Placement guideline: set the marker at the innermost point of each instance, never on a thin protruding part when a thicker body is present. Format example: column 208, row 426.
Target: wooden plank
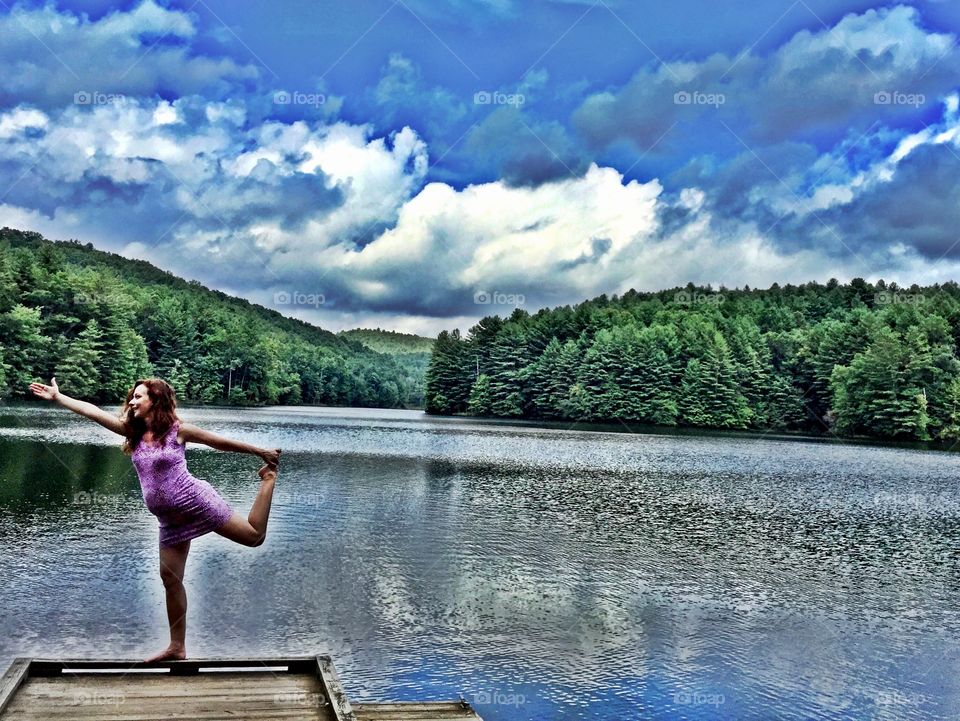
column 205, row 697
column 164, row 680
column 12, row 679
column 334, row 689
column 400, row 705
column 159, row 684
column 130, row 712
column 414, row 711
column 219, row 688
column 305, row 688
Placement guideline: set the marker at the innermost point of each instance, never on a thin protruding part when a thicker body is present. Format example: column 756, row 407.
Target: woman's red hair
column 163, row 401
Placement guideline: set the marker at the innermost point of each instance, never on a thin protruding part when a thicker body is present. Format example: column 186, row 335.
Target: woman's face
column 140, row 403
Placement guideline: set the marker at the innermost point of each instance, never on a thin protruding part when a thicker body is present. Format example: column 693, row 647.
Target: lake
column 540, row 571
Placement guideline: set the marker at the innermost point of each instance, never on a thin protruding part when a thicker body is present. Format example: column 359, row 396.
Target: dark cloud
column 740, row 187
column 524, row 151
column 919, row 208
column 881, row 66
column 288, row 198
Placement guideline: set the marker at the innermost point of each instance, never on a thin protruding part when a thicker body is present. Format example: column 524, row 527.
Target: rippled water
column 539, row 572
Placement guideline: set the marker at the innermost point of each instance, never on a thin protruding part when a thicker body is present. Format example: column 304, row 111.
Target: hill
column 411, row 353
column 98, row 321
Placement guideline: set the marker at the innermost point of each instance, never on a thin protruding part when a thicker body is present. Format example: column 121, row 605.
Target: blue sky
column 417, row 165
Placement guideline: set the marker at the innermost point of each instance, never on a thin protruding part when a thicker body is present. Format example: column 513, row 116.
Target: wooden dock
column 247, row 689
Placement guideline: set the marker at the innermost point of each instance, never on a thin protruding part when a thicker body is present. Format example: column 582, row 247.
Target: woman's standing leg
column 173, row 560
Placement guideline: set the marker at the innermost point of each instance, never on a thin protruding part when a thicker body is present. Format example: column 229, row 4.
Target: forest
column 857, row 359
column 98, row 321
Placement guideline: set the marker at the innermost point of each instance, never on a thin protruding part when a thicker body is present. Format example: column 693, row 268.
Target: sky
column 415, row 165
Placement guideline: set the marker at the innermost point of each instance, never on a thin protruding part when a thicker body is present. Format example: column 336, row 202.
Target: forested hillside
column 854, row 360
column 99, row 321
column 411, row 353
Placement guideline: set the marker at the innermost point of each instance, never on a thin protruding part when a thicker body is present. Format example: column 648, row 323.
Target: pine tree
column 540, row 379
column 652, row 375
column 709, row 392
column 508, row 361
column 693, row 395
column 27, row 350
column 481, row 401
column 602, row 362
column 449, row 377
column 79, row 370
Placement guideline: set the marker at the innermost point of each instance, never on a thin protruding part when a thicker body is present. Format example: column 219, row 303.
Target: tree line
column 855, row 359
column 98, row 321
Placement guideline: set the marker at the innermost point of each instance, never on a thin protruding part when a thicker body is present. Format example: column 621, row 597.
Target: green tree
column 481, row 399
column 20, row 332
column 449, row 376
column 79, row 370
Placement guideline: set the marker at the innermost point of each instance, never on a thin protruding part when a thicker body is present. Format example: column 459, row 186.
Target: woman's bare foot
column 173, row 652
column 268, row 473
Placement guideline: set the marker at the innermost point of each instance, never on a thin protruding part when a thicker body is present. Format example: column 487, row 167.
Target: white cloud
column 20, row 119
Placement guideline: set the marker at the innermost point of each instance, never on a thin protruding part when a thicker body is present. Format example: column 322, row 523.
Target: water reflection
column 540, row 572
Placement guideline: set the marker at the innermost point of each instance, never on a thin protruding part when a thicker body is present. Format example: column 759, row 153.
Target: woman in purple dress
column 186, row 507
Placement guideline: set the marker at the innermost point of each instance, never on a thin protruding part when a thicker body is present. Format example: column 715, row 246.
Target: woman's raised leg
column 252, row 530
column 173, row 560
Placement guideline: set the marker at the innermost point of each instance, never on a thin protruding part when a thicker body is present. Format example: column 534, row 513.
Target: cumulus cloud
column 499, row 239
column 166, row 174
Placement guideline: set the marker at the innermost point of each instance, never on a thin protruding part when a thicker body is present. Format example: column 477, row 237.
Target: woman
column 186, row 507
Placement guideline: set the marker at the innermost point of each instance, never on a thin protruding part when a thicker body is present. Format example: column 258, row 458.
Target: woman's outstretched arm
column 195, row 434
column 88, row 410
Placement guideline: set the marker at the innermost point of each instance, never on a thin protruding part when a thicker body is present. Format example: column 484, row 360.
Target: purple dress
column 187, row 507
